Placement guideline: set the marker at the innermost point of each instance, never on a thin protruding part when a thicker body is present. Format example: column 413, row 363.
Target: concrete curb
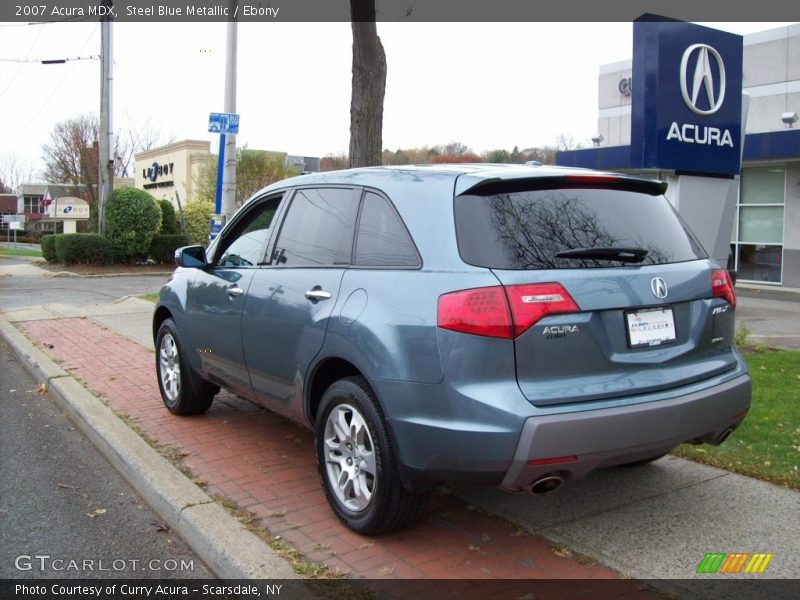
column 79, row 276
column 228, row 549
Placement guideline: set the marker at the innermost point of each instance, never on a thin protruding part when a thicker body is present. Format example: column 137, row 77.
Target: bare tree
column 369, row 87
column 138, row 137
column 14, row 171
column 71, row 157
column 564, row 141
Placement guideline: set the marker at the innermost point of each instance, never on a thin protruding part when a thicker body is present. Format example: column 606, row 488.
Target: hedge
column 162, row 248
column 133, row 217
column 169, row 221
column 48, row 243
column 197, row 214
column 82, row 249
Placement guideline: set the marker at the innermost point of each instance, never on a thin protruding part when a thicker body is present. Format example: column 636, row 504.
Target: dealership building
column 172, row 172
column 765, row 223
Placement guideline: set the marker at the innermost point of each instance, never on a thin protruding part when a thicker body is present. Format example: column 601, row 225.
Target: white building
column 765, row 240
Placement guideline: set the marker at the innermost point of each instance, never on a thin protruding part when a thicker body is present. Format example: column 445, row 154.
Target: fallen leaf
column 367, row 545
column 562, row 551
column 474, row 548
column 160, row 526
column 386, row 570
column 485, row 537
column 96, row 512
column 41, row 389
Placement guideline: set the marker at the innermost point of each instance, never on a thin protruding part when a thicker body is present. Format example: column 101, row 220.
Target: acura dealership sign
column 686, row 114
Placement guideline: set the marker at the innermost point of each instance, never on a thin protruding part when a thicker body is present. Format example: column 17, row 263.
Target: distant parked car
column 514, row 325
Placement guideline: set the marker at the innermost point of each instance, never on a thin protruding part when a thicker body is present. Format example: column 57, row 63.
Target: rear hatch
column 610, row 294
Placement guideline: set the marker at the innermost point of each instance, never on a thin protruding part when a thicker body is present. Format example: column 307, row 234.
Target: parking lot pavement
column 772, row 317
column 266, row 465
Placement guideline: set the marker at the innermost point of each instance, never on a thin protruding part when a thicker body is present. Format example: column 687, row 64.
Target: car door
column 290, row 300
column 217, row 296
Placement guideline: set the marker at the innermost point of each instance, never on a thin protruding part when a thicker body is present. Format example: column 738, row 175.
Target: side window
column 382, row 239
column 245, row 245
column 318, row 229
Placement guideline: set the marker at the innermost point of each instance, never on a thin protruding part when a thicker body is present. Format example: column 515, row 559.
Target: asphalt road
column 20, row 292
column 61, row 499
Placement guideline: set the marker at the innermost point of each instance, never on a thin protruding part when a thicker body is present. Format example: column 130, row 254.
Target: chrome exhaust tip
column 723, row 436
column 545, row 485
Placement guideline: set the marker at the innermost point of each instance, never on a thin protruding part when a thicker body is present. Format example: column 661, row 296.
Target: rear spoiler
column 605, row 181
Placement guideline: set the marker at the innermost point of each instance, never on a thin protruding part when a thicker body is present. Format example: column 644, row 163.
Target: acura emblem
column 702, row 79
column 659, row 287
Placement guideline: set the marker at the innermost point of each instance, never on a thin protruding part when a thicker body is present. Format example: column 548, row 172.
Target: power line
column 49, row 61
column 55, row 91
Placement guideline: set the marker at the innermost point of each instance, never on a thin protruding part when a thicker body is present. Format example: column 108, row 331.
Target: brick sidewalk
column 266, row 465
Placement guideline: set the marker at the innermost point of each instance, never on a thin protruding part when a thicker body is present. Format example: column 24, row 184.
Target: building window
column 34, row 204
column 758, row 236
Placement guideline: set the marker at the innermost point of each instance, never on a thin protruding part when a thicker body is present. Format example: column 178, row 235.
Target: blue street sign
column 215, row 227
column 225, row 123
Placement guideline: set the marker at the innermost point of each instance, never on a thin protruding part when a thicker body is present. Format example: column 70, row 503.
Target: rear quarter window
column 523, row 230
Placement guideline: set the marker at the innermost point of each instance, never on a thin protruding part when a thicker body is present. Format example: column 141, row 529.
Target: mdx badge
column 659, row 287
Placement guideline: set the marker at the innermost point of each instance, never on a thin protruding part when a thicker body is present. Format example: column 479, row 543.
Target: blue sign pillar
column 687, row 121
column 222, row 123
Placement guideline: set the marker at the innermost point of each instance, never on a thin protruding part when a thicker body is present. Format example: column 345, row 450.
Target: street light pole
column 229, row 169
column 106, row 161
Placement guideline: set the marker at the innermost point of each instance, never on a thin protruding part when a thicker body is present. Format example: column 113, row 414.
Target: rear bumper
column 612, row 436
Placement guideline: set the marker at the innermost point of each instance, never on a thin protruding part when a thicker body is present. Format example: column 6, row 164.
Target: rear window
column 524, row 230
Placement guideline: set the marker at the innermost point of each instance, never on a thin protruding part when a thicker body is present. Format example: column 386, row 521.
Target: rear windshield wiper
column 633, row 255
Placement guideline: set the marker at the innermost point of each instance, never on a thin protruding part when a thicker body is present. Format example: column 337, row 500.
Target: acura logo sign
column 700, row 56
column 659, row 287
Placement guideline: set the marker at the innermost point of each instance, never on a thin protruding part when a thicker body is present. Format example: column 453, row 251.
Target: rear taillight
column 480, row 311
column 502, row 312
column 531, row 303
column 722, row 287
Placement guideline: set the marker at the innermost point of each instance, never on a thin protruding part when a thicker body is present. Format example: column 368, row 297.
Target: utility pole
column 106, row 160
column 229, row 170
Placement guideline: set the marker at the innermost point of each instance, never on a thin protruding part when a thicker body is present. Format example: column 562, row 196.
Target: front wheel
column 357, row 463
column 182, row 391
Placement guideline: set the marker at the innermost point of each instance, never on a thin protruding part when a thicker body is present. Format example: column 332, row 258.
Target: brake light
column 479, row 311
column 532, row 302
column 502, row 312
column 722, row 287
column 592, row 179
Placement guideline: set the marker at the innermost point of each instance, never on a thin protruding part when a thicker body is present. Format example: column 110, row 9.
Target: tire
column 182, row 391
column 357, row 462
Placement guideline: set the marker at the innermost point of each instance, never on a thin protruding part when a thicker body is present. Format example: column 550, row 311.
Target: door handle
column 317, row 294
column 234, row 292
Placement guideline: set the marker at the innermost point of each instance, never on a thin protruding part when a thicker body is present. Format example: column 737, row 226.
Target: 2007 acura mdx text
column 513, row 325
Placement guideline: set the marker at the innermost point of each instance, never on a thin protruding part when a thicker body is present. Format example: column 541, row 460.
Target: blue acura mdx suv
column 508, row 324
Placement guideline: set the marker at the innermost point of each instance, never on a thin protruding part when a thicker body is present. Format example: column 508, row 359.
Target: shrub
column 133, row 217
column 162, row 248
column 48, row 243
column 196, row 214
column 82, row 249
column 169, row 222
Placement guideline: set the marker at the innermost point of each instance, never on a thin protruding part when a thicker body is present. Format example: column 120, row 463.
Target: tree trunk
column 369, row 85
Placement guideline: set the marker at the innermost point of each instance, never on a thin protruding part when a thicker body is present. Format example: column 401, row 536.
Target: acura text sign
column 687, row 98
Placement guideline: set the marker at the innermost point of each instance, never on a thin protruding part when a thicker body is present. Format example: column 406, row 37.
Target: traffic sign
column 227, row 123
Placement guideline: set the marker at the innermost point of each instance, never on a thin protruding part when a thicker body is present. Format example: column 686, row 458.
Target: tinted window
column 245, row 245
column 527, row 229
column 318, row 230
column 382, row 238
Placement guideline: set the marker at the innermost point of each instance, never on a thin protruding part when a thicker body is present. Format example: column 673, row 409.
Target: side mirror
column 191, row 257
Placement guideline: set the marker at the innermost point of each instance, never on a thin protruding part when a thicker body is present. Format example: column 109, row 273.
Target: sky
column 487, row 85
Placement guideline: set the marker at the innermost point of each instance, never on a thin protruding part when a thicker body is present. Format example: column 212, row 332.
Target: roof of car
column 474, row 172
